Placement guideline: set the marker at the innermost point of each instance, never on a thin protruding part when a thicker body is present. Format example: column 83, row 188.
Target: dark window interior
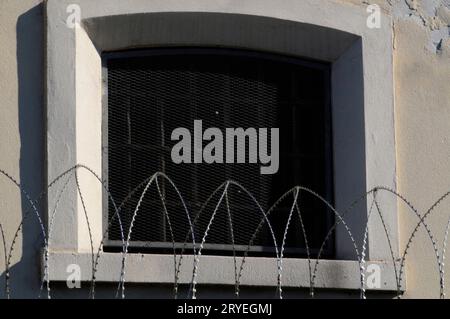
column 153, row 92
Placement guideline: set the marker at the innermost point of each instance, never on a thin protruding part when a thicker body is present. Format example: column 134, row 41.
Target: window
column 362, row 116
column 152, row 93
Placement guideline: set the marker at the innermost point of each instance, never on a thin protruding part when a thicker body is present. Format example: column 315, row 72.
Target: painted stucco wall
column 422, row 86
column 422, row 119
column 21, row 131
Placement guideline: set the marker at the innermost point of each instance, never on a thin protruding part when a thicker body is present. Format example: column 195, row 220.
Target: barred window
column 151, row 93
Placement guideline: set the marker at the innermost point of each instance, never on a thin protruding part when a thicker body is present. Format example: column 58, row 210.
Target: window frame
column 336, row 33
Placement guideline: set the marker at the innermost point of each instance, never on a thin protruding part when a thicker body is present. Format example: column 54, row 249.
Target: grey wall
column 22, row 132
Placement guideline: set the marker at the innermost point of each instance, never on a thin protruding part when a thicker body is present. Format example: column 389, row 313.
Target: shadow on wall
column 25, row 281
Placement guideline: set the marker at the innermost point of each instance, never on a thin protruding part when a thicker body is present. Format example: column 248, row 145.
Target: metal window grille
column 151, row 93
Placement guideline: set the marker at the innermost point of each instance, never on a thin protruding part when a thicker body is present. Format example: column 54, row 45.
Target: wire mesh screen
column 152, row 94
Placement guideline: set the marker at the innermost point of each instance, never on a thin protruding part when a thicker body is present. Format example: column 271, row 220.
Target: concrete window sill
column 219, row 270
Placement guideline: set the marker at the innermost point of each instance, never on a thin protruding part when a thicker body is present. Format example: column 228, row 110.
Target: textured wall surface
column 21, row 132
column 422, row 85
column 422, row 113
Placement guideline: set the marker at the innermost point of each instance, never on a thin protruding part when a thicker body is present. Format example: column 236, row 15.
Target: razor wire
column 360, row 253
